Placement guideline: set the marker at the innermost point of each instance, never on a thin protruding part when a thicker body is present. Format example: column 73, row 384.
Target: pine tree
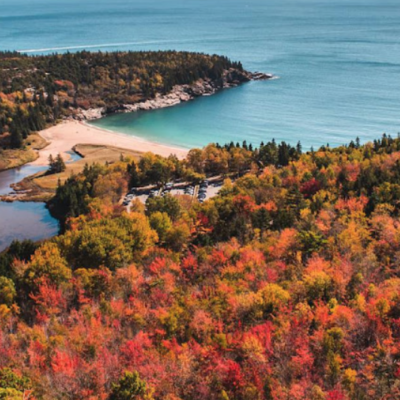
column 56, row 165
column 283, row 154
column 16, row 139
column 134, row 180
column 299, row 148
column 60, row 164
column 51, row 164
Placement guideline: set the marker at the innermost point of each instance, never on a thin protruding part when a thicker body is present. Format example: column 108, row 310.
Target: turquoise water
column 339, row 62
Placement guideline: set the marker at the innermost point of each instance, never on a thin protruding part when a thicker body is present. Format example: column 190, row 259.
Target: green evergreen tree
column 60, row 164
column 51, row 164
column 129, row 387
column 134, row 179
column 16, row 139
column 56, row 165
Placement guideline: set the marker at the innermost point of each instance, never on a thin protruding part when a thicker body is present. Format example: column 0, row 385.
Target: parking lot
column 213, row 189
column 202, row 192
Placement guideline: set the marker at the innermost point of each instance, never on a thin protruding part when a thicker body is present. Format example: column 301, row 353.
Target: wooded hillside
column 285, row 286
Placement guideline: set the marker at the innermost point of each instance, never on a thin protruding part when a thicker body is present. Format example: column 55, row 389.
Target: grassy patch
column 12, row 158
column 92, row 154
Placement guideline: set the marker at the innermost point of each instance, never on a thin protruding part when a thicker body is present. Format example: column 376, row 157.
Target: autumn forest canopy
column 284, row 286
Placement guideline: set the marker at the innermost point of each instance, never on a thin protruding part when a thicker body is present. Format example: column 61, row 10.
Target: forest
column 284, row 286
column 39, row 90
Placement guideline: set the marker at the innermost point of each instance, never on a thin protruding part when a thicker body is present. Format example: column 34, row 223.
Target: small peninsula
column 37, row 92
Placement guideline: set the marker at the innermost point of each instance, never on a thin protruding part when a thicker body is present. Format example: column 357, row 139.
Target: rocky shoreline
column 27, row 191
column 179, row 94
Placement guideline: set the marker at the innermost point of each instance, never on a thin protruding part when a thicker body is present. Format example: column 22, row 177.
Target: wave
column 91, row 46
column 103, row 45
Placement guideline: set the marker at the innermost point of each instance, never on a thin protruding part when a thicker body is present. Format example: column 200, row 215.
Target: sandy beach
column 64, row 136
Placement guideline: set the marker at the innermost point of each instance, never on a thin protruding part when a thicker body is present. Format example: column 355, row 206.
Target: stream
column 24, row 220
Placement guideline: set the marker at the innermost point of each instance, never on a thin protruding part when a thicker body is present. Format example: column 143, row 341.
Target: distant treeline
column 40, row 89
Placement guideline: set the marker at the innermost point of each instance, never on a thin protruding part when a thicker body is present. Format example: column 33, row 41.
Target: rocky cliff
column 180, row 93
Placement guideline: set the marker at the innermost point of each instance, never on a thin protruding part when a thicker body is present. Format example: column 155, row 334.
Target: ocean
column 338, row 62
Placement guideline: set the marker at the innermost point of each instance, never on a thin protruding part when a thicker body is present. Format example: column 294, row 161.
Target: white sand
column 65, row 136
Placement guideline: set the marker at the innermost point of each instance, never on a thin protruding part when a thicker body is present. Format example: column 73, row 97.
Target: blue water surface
column 20, row 221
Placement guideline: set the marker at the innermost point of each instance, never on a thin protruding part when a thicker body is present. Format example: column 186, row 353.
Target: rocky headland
column 179, row 94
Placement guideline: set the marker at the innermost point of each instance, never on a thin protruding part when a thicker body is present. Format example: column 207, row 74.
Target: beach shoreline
column 71, row 136
column 64, row 136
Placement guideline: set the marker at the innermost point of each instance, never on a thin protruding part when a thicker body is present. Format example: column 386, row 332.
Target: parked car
column 153, row 193
column 189, row 190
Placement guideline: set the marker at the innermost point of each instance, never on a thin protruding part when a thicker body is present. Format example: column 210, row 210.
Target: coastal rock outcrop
column 179, row 93
column 91, row 114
